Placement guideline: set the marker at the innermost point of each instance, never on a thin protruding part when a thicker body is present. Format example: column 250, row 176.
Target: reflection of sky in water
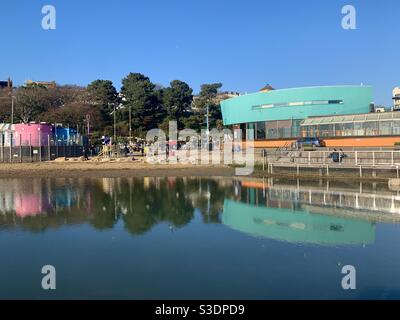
column 197, row 238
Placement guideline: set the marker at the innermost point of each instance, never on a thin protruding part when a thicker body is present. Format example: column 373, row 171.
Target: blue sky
column 243, row 44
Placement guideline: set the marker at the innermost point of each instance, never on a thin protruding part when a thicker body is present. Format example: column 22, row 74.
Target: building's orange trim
column 334, row 142
column 272, row 143
column 362, row 142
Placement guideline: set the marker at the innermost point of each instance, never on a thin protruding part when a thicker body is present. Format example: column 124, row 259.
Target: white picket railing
column 357, row 158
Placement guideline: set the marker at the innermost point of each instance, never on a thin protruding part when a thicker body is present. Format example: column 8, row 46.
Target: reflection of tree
column 141, row 203
column 211, row 197
column 104, row 211
column 156, row 203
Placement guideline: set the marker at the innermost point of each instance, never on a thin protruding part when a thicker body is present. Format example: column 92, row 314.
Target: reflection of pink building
column 28, row 205
column 34, row 134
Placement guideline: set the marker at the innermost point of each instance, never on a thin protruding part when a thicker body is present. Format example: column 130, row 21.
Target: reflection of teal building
column 296, row 226
column 65, row 197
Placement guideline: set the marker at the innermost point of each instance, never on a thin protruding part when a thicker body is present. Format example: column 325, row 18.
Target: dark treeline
column 151, row 106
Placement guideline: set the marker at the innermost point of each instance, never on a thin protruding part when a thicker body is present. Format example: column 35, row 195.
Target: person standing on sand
column 86, row 153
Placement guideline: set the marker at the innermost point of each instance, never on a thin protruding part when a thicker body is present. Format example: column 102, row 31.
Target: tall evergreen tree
column 141, row 98
column 177, row 101
column 208, row 98
column 105, row 95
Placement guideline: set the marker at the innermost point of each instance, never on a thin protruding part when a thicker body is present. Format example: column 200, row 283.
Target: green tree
column 177, row 100
column 142, row 99
column 103, row 94
column 210, row 91
column 208, row 97
column 193, row 121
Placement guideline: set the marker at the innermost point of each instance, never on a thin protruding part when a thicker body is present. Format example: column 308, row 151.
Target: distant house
column 6, row 84
column 396, row 99
column 47, row 84
column 226, row 95
column 218, row 98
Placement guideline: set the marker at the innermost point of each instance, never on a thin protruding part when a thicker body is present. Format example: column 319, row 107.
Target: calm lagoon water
column 197, row 238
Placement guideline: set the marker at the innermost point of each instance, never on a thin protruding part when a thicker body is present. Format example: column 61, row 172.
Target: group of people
column 337, row 156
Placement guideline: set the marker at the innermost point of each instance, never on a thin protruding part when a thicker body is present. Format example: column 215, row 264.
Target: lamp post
column 208, row 124
column 115, row 119
column 115, row 124
column 12, row 109
column 87, row 118
column 208, row 128
column 130, row 124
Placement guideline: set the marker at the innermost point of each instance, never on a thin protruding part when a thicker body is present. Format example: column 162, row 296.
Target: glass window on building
column 284, row 129
column 344, row 129
column 385, row 128
column 348, row 129
column 304, row 131
column 371, row 128
column 242, row 133
column 250, row 134
column 284, row 133
column 296, row 128
column 312, row 131
column 396, row 127
column 359, row 129
column 326, row 130
column 260, row 130
column 271, row 129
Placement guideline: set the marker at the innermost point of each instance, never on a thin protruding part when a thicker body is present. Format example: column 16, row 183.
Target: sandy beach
column 108, row 169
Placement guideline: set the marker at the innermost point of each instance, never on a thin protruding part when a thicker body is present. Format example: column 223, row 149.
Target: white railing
column 357, row 158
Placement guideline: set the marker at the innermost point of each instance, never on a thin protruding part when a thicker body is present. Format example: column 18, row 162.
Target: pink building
column 33, row 134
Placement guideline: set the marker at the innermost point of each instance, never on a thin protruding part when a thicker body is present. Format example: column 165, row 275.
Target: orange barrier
column 362, row 142
column 334, row 142
column 271, row 143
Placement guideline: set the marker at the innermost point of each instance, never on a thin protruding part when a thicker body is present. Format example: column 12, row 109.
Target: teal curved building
column 297, row 103
column 278, row 114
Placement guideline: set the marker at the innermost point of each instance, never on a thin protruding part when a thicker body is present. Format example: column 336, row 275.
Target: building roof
column 268, row 87
column 364, row 117
column 6, row 84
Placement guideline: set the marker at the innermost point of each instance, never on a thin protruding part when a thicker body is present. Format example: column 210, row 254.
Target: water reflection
column 293, row 211
column 39, row 204
column 297, row 226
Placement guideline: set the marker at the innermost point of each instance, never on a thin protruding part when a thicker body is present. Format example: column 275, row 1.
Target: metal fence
column 38, row 153
column 356, row 158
